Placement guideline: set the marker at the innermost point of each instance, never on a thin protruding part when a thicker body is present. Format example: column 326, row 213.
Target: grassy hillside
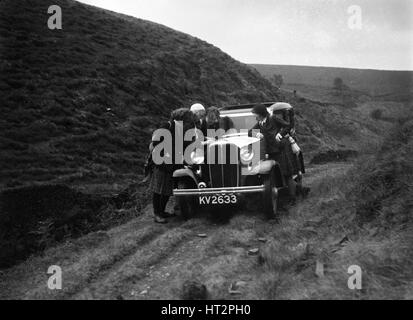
column 362, row 216
column 376, row 210
column 370, row 82
column 79, row 104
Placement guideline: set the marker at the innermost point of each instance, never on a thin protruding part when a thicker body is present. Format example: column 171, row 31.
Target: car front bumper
column 217, row 191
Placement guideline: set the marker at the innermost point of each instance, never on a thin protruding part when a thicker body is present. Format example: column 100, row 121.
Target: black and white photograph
column 216, row 150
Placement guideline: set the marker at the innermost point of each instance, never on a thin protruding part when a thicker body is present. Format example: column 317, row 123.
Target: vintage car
column 225, row 182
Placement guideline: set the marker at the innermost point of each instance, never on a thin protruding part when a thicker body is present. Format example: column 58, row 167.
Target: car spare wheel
column 187, row 204
column 270, row 197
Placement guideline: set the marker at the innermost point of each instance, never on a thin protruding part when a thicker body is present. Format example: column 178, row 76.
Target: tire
column 187, row 204
column 270, row 196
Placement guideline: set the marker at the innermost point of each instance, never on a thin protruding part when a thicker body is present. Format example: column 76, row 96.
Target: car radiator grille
column 222, row 173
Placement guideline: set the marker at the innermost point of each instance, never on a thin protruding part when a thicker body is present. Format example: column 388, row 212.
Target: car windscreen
column 242, row 121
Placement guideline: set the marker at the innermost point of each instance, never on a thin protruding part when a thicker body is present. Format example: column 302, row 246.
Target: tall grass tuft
column 384, row 190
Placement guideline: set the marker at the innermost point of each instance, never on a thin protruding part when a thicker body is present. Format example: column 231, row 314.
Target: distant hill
column 371, row 82
column 341, row 119
column 79, row 104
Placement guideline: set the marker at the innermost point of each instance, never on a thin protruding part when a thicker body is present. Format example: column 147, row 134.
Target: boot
column 168, row 214
column 292, row 201
column 305, row 191
column 159, row 219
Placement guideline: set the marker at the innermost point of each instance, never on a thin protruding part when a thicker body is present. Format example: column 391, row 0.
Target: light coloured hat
column 197, row 107
column 279, row 106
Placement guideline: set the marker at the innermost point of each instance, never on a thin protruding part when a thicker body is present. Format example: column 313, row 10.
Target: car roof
column 246, row 108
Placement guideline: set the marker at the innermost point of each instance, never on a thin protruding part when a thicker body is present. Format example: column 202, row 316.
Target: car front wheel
column 187, row 204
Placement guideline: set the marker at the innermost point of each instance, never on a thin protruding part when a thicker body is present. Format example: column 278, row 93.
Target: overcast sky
column 298, row 32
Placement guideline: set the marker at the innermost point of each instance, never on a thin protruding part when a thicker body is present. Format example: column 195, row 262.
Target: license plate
column 218, row 199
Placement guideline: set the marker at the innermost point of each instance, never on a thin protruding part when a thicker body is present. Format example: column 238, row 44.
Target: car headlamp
column 246, row 154
column 197, row 156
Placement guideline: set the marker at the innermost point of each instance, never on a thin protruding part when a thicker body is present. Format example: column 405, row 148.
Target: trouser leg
column 156, row 202
column 164, row 202
column 292, row 185
column 157, row 208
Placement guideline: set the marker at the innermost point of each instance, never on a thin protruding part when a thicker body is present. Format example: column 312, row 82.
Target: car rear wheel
column 270, row 197
column 187, row 204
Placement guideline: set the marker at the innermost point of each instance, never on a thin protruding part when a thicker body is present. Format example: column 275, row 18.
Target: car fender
column 184, row 173
column 265, row 166
column 262, row 167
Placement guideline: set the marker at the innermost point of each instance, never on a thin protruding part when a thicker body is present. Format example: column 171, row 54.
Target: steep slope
column 79, row 104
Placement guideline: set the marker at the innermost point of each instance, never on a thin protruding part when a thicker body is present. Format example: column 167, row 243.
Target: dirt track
column 144, row 260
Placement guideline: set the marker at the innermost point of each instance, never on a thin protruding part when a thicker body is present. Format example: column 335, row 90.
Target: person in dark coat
column 161, row 182
column 298, row 159
column 273, row 130
column 215, row 122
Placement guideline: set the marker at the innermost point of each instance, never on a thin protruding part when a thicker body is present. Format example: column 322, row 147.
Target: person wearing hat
column 273, row 130
column 161, row 176
column 200, row 122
